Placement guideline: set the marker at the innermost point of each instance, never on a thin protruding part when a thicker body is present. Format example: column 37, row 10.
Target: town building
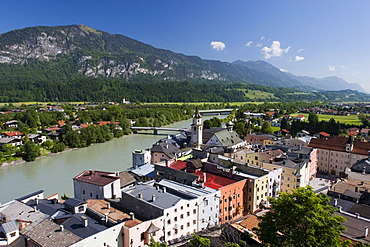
column 337, row 153
column 96, row 185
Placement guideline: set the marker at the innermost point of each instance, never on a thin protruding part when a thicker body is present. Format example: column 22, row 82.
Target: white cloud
column 283, row 70
column 218, row 45
column 332, row 68
column 274, row 50
column 300, row 50
column 298, row 58
column 249, row 43
column 259, row 45
column 262, row 38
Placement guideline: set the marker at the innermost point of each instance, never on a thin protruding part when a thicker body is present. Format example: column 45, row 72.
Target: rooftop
column 48, row 233
column 214, row 181
column 145, row 192
column 97, row 177
column 101, row 207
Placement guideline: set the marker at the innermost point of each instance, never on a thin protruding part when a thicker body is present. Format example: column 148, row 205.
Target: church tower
column 197, row 130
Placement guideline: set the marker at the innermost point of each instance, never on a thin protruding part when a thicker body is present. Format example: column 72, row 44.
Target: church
column 203, row 139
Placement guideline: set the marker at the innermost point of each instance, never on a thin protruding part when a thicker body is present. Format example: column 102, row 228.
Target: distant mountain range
column 64, row 53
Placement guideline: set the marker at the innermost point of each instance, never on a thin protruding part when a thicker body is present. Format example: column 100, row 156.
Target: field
column 351, row 119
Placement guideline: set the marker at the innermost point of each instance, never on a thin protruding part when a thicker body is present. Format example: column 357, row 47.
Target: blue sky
column 316, row 38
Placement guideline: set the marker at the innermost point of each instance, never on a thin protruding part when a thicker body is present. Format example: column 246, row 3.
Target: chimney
column 364, row 170
column 335, row 202
column 204, row 177
column 366, row 232
column 340, row 209
column 368, row 155
column 140, row 196
column 132, row 216
column 61, row 228
column 356, row 189
column 164, row 189
column 357, row 215
column 90, row 171
column 35, row 209
column 108, row 205
column 37, row 201
column 153, row 198
column 84, row 221
column 117, row 173
column 106, row 218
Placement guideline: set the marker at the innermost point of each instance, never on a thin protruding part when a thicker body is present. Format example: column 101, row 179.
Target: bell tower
column 197, row 130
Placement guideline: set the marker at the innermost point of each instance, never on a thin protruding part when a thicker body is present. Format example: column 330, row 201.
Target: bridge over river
column 156, row 129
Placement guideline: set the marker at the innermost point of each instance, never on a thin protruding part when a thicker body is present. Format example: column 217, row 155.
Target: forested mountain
column 48, row 63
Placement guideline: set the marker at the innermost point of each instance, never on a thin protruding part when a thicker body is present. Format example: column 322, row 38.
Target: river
column 54, row 174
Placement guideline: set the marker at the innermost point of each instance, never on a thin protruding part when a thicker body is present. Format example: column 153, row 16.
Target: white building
column 208, row 201
column 96, row 185
column 140, row 157
column 152, row 201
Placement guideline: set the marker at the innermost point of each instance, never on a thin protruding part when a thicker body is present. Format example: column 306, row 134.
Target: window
column 83, row 192
column 12, row 235
column 194, row 222
column 188, row 224
column 169, row 233
column 182, row 227
column 188, row 213
column 194, row 211
column 182, row 216
column 175, row 219
column 81, row 208
column 168, row 221
column 176, row 231
column 142, row 236
column 90, row 194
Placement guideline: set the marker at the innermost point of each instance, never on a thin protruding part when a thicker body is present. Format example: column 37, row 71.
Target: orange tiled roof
column 338, row 143
column 14, row 133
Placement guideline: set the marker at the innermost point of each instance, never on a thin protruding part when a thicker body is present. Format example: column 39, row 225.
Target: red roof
column 84, row 125
column 178, row 165
column 214, row 181
column 285, row 130
column 100, row 123
column 61, row 123
column 96, row 177
column 352, row 133
column 338, row 143
column 300, row 116
column 14, row 133
column 324, row 134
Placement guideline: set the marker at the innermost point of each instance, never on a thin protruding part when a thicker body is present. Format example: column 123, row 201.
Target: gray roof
column 48, row 234
column 146, row 170
column 10, row 226
column 362, row 209
column 75, row 225
column 73, row 202
column 163, row 200
column 31, row 136
column 15, row 210
column 346, row 205
column 227, row 138
column 354, row 227
column 352, row 194
column 7, row 140
column 48, row 207
column 185, row 190
column 167, row 147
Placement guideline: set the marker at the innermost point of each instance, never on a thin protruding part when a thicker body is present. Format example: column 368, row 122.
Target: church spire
column 196, row 113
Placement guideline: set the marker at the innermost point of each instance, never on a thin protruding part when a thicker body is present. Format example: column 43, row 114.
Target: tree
column 300, row 219
column 197, row 241
column 313, row 121
column 266, row 128
column 153, row 243
column 30, row 151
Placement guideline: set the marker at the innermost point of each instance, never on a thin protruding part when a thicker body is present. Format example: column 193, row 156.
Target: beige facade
column 292, row 177
column 258, row 189
column 335, row 162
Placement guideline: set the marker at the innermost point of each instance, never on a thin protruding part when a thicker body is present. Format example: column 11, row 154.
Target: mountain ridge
column 84, row 51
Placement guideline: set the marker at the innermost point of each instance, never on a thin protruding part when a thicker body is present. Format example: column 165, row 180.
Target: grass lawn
column 351, row 119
